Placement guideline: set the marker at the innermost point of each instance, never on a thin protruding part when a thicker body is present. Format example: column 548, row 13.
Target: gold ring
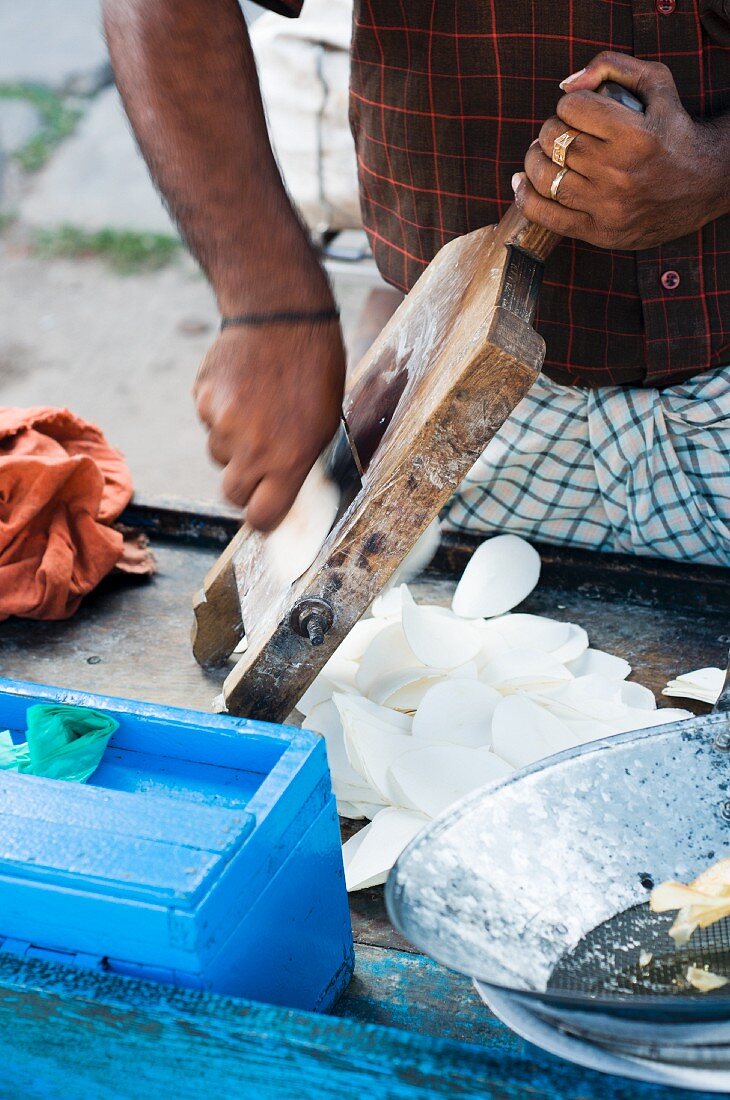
column 556, row 184
column 560, row 146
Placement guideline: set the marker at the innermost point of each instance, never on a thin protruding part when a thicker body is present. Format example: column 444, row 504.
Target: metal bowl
column 538, row 884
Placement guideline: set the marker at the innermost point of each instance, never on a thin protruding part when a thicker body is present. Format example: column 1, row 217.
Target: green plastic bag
column 62, row 743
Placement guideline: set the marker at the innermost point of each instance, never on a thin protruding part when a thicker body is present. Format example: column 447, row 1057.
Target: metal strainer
column 539, row 885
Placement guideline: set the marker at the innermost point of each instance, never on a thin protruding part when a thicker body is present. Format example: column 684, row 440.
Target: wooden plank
column 94, row 1036
column 217, row 626
column 448, row 369
column 413, row 993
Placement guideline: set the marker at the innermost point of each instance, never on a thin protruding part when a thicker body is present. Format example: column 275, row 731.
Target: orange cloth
column 61, row 485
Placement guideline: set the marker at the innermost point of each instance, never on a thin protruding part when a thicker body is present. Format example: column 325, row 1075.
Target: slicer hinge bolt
column 725, row 810
column 315, row 626
column 312, row 619
column 722, row 741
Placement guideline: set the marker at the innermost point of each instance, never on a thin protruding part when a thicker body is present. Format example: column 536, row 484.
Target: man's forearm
column 188, row 80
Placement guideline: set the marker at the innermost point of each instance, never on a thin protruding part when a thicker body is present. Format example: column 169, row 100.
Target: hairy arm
column 270, row 397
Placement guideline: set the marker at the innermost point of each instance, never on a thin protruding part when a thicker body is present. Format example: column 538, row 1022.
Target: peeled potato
column 291, row 548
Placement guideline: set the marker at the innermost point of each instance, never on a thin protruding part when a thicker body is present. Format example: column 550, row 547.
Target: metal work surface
column 132, row 638
column 406, row 1027
column 129, row 638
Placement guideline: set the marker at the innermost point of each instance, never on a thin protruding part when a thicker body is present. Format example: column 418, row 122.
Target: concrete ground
column 121, row 351
column 118, row 349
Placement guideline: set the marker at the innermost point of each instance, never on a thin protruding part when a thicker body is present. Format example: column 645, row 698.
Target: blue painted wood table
column 405, row 1028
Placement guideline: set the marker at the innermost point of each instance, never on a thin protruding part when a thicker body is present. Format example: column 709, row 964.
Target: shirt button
column 666, row 7
column 670, row 280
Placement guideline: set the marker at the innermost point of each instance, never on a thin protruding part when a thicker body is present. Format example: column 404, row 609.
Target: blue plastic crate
column 203, row 852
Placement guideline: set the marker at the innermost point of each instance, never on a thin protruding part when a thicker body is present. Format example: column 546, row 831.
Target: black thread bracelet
column 281, row 317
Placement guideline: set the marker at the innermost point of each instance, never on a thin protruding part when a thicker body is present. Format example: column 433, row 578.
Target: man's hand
column 271, row 398
column 634, row 181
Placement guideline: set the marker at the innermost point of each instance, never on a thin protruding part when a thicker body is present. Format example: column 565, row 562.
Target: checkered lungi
column 637, row 471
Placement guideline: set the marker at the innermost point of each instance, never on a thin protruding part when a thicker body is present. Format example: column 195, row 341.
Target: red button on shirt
column 670, row 280
column 665, row 7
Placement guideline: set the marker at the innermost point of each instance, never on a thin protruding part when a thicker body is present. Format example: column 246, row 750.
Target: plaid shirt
column 446, row 97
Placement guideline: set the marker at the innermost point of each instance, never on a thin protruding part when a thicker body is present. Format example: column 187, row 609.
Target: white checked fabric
column 636, row 471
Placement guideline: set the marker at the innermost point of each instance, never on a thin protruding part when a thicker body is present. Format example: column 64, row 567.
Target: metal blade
column 343, row 466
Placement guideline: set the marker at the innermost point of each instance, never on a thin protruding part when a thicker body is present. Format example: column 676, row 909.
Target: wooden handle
column 528, row 236
column 533, row 238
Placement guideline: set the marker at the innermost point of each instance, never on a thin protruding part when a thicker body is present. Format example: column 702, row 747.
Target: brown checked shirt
column 445, row 98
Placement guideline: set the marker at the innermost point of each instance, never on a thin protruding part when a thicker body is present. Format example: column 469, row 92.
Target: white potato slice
column 521, row 669
column 574, row 646
column 357, row 707
column 493, row 644
column 612, row 706
column 371, row 748
column 672, row 692
column 291, row 548
column 438, row 640
column 701, row 902
column 585, row 729
column 705, row 980
column 468, row 671
column 357, row 811
column 591, row 696
column 341, row 672
column 457, row 711
column 346, row 782
column 348, row 792
column 369, row 855
column 704, row 684
column 431, row 778
column 351, row 810
column 387, row 654
column 710, row 679
column 355, row 643
column 403, row 691
column 643, row 719
column 319, row 691
column 389, row 604
column 601, row 663
column 337, row 675
column 500, row 574
column 584, row 716
column 535, row 632
column 637, row 696
column 523, row 732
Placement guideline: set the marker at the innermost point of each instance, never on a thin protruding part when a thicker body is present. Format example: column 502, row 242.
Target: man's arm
column 269, row 395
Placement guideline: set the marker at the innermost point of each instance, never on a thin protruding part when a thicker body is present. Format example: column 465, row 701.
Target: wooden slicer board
column 448, row 369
